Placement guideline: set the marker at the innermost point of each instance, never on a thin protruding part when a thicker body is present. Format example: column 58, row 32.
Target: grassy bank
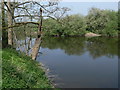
column 19, row 71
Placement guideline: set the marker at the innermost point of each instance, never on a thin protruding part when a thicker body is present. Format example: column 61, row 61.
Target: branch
column 50, row 17
column 50, row 4
column 26, row 16
column 7, row 7
column 21, row 23
column 27, row 23
column 43, row 7
column 53, row 19
column 22, row 3
column 9, row 10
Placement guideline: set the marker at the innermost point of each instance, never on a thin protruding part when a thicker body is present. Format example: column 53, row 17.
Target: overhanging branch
column 26, row 16
column 19, row 24
column 22, row 3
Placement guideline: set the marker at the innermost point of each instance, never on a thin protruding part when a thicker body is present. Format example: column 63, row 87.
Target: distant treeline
column 104, row 22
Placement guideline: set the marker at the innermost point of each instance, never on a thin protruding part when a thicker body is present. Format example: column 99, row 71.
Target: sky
column 83, row 7
column 89, row 0
column 71, row 0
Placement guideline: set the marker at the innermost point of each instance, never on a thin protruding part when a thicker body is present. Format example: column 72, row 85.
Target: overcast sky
column 83, row 7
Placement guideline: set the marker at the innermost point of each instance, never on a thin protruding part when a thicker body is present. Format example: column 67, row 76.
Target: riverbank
column 20, row 71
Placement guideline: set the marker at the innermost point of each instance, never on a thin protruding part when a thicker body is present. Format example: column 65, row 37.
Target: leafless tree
column 22, row 13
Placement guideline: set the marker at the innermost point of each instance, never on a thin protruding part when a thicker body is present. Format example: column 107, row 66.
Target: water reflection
column 103, row 47
column 96, row 46
column 71, row 46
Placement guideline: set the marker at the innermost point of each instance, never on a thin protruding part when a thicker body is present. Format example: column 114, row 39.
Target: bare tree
column 22, row 13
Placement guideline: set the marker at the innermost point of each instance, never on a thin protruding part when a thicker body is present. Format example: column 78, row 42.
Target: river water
column 79, row 62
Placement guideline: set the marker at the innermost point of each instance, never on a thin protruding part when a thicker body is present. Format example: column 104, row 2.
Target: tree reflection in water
column 96, row 46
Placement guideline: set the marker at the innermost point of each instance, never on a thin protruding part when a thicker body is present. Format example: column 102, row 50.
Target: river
column 79, row 62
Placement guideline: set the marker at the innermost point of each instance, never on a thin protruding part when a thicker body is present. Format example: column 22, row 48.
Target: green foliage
column 68, row 26
column 104, row 22
column 19, row 71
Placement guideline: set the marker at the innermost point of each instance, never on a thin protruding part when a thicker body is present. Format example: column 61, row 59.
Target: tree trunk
column 35, row 48
column 40, row 24
column 4, row 31
column 38, row 40
column 10, row 22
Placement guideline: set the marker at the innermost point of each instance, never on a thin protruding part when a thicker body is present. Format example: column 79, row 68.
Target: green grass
column 20, row 71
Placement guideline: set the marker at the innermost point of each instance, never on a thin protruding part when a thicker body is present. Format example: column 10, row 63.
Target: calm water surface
column 79, row 62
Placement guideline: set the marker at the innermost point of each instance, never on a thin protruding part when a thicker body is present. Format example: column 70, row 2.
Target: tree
column 22, row 13
column 10, row 22
column 96, row 19
column 4, row 31
column 70, row 25
column 102, row 21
